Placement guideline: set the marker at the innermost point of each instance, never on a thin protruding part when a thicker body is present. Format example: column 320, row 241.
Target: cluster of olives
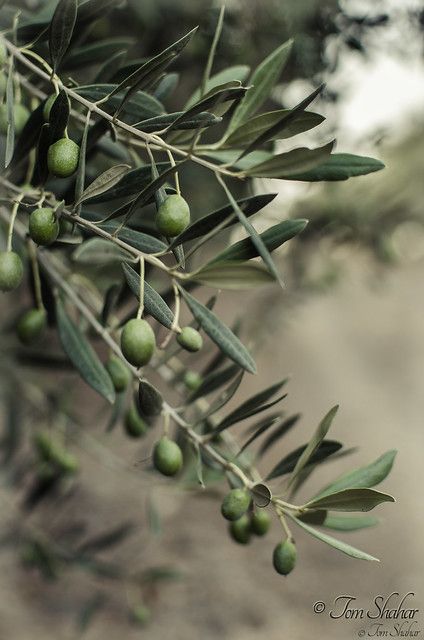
column 54, row 460
column 236, row 507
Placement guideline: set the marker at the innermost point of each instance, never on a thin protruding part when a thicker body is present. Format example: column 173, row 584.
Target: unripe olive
column 119, row 373
column 173, row 216
column 43, row 226
column 140, row 614
column 31, row 325
column 11, row 270
column 235, row 504
column 192, row 380
column 284, row 557
column 20, row 116
column 48, row 106
column 63, row 158
column 190, row 339
column 260, row 523
column 134, row 424
column 167, row 457
column 240, row 529
column 137, row 342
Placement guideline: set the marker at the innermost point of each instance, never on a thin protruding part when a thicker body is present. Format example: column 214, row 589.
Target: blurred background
column 348, row 328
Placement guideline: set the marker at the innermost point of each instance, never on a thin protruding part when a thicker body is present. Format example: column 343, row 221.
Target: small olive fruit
column 11, row 270
column 192, row 380
column 235, row 504
column 137, row 342
column 43, row 226
column 173, row 216
column 260, row 523
column 63, row 158
column 134, row 424
column 48, row 106
column 240, row 529
column 20, row 116
column 190, row 339
column 31, row 325
column 284, row 557
column 119, row 373
column 141, row 614
column 167, row 457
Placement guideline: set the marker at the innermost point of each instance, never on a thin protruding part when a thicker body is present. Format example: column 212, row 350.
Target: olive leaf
column 141, row 105
column 338, row 522
column 225, row 397
column 103, row 182
column 367, row 476
column 285, row 165
column 263, row 80
column 350, row 500
column 314, row 443
column 10, row 109
column 219, row 333
column 282, row 123
column 233, row 275
column 29, row 135
column 178, row 120
column 80, row 177
column 154, row 304
column 130, row 184
column 202, row 226
column 282, row 427
column 259, row 428
column 272, row 238
column 150, row 400
column 61, row 29
column 98, row 251
column 96, row 52
column 214, row 381
column 82, row 355
column 249, row 131
column 59, row 116
column 41, row 169
column 333, row 542
column 326, row 449
column 340, row 166
column 136, row 239
column 237, row 73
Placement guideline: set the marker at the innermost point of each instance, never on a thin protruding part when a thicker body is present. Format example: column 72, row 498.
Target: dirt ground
column 361, row 346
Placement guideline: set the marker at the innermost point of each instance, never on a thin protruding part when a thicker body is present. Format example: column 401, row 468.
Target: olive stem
column 141, row 301
column 12, row 221
column 283, row 521
column 36, row 275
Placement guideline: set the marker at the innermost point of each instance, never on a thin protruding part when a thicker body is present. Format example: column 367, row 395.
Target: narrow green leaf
column 260, row 428
column 82, row 355
column 154, row 304
column 98, row 251
column 314, row 442
column 350, row 500
column 233, row 275
column 201, row 227
column 103, row 182
column 279, row 432
column 225, row 397
column 61, row 30
column 326, row 449
column 130, row 184
column 285, row 165
column 10, row 110
column 80, row 177
column 285, row 120
column 263, row 80
column 136, row 239
column 272, row 239
column 95, row 52
column 340, row 166
column 333, row 542
column 166, row 86
column 249, row 131
column 29, row 135
column 367, row 476
column 238, row 73
column 178, row 121
column 214, row 381
column 140, row 106
column 338, row 522
column 59, row 116
column 219, row 333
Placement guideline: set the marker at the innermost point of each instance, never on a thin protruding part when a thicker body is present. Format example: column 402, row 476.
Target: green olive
column 119, row 373
column 43, row 226
column 138, row 342
column 240, row 529
column 192, row 380
column 48, row 106
column 63, row 158
column 167, row 457
column 20, row 117
column 173, row 216
column 284, row 557
column 235, row 504
column 190, row 339
column 31, row 325
column 260, row 523
column 11, row 270
column 140, row 614
column 134, row 424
